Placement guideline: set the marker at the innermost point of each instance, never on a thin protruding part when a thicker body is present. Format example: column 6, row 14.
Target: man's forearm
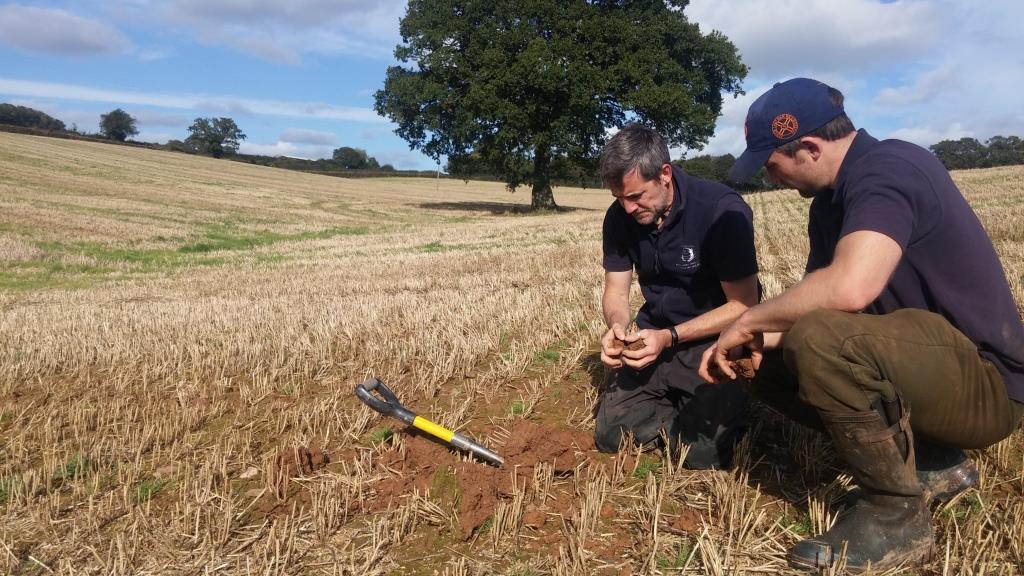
column 778, row 314
column 711, row 322
column 616, row 310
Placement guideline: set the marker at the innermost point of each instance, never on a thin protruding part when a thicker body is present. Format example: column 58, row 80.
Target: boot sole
column 917, row 556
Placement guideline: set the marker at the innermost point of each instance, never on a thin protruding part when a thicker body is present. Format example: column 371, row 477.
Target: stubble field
column 181, row 336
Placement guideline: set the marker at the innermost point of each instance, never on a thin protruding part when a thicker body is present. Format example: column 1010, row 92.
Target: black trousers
column 669, row 396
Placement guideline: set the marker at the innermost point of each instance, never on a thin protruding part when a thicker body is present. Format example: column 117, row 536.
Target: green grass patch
column 36, row 274
column 6, row 416
column 548, row 356
column 518, row 407
column 381, row 436
column 149, row 488
column 486, row 526
column 963, row 508
column 434, row 247
column 646, row 467
column 801, row 526
column 8, row 485
column 51, row 271
column 77, row 467
column 683, row 554
column 226, row 238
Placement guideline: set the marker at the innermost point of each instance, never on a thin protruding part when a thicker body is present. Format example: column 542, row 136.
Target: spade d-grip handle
column 385, row 402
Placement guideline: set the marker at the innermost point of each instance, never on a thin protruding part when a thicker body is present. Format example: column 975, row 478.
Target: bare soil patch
column 481, row 486
column 300, row 461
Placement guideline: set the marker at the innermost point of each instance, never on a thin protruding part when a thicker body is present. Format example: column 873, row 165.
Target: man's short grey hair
column 635, row 147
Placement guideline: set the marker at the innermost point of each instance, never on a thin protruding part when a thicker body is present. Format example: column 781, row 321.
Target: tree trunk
column 543, row 198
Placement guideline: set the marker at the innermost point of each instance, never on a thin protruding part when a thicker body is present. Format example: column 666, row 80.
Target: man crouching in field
column 692, row 244
column 936, row 362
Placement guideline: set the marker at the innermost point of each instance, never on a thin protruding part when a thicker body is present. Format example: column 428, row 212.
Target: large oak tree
column 118, row 125
column 518, row 83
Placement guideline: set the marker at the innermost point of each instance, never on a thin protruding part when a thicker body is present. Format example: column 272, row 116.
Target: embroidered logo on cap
column 784, row 126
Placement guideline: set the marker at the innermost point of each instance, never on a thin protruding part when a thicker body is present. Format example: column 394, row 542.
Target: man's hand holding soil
column 719, row 362
column 613, row 343
column 636, row 350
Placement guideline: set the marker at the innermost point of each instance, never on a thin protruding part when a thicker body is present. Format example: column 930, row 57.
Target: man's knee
column 608, row 438
column 644, row 423
column 818, row 331
column 711, row 421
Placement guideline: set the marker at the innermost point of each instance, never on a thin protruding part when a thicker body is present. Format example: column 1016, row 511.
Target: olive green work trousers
column 836, row 361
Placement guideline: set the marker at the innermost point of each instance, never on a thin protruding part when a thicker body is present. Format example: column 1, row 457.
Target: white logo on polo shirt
column 688, row 259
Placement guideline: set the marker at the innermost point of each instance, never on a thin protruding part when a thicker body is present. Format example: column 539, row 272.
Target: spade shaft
column 385, row 402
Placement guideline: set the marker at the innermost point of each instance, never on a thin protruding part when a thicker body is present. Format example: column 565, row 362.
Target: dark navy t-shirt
column 949, row 265
column 708, row 238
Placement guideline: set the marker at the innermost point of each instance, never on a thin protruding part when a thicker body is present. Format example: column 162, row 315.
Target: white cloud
column 925, row 87
column 920, row 70
column 157, row 137
column 275, row 149
column 277, row 31
column 404, row 159
column 290, row 149
column 926, row 136
column 154, row 118
column 302, row 136
column 778, row 39
column 199, row 103
column 51, row 31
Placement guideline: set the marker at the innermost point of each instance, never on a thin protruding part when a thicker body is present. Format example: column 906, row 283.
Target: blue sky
column 298, row 77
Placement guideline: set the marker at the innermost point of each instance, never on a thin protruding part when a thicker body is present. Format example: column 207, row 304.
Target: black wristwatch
column 675, row 335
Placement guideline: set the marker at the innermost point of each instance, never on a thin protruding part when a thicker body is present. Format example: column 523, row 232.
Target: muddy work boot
column 890, row 524
column 943, row 471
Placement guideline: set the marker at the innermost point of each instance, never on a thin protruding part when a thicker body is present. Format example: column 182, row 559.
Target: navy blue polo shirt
column 707, row 238
column 949, row 265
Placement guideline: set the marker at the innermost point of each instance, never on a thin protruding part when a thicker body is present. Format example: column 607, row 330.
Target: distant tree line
column 220, row 137
column 29, row 118
column 563, row 171
column 970, row 153
column 716, row 169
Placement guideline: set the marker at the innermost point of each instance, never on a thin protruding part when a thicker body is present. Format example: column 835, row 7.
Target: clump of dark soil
column 481, row 486
column 637, row 344
column 743, row 367
column 300, row 461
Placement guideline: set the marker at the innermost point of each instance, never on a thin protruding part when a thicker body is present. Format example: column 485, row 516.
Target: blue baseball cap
column 788, row 111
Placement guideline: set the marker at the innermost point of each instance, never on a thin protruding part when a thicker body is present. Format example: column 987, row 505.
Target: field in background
column 180, row 337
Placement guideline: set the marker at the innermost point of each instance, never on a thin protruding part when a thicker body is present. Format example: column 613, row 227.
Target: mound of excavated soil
column 480, row 486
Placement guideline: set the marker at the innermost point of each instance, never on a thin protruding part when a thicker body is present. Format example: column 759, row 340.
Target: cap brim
column 748, row 164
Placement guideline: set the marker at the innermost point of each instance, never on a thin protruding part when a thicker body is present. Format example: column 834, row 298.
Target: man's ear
column 812, row 145
column 666, row 173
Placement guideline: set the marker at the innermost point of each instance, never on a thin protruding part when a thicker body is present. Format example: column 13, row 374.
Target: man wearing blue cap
column 890, row 236
column 691, row 244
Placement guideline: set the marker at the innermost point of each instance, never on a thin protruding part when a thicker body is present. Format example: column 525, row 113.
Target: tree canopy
column 214, row 136
column 970, row 153
column 117, row 125
column 29, row 118
column 518, row 84
column 354, row 159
